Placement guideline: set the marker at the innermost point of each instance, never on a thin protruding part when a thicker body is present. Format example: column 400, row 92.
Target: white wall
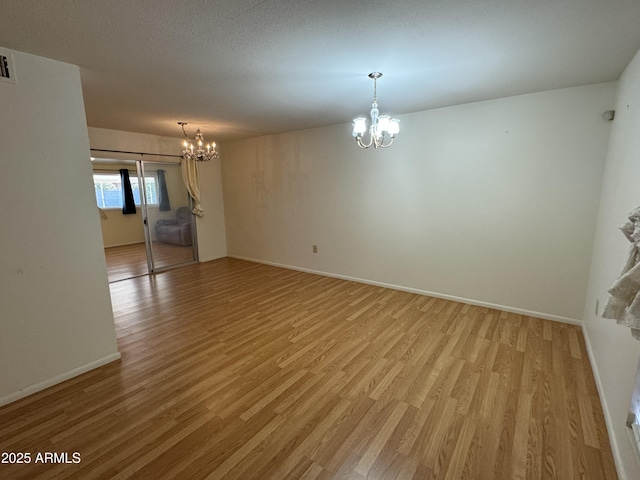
column 211, row 227
column 105, row 139
column 55, row 315
column 614, row 353
column 212, row 235
column 119, row 229
column 492, row 202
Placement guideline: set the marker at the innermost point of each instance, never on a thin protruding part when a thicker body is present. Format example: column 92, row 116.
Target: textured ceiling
column 240, row 68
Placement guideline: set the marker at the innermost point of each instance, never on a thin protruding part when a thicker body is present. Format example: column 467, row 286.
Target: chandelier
column 198, row 152
column 383, row 128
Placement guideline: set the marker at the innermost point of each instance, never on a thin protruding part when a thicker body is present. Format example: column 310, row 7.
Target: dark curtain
column 163, row 195
column 128, row 204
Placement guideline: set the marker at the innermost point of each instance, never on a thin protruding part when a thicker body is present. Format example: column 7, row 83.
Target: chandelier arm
column 361, row 144
column 373, row 141
column 388, row 144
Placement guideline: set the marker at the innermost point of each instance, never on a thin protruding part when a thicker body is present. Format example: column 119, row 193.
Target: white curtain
column 191, row 182
column 624, row 303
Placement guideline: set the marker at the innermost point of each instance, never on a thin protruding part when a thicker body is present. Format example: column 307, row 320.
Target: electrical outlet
column 315, row 249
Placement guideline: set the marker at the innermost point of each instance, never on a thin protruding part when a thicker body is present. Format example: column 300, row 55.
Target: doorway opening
column 159, row 233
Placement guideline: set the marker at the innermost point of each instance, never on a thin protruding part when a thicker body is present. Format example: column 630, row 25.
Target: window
column 108, row 188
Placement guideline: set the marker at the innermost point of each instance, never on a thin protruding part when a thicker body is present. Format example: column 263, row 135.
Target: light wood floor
column 128, row 261
column 235, row 370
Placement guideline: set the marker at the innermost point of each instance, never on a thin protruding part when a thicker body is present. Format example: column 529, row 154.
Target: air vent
column 7, row 74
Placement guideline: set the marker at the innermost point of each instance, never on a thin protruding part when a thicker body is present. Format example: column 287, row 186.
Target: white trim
column 615, row 450
column 520, row 311
column 125, row 244
column 12, row 397
column 635, row 438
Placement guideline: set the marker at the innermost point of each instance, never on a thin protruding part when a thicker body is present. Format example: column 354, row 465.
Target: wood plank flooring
column 128, row 261
column 236, row 370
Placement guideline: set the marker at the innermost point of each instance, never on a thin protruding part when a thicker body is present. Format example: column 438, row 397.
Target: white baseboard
column 12, row 397
column 124, row 244
column 615, row 449
column 520, row 311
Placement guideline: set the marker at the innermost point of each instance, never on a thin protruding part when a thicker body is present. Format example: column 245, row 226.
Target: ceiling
column 242, row 68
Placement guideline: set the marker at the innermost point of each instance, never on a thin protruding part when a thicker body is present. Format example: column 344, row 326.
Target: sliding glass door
column 157, row 229
column 168, row 221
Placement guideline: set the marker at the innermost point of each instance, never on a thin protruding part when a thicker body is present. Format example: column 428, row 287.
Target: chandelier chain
column 182, row 124
column 375, row 89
